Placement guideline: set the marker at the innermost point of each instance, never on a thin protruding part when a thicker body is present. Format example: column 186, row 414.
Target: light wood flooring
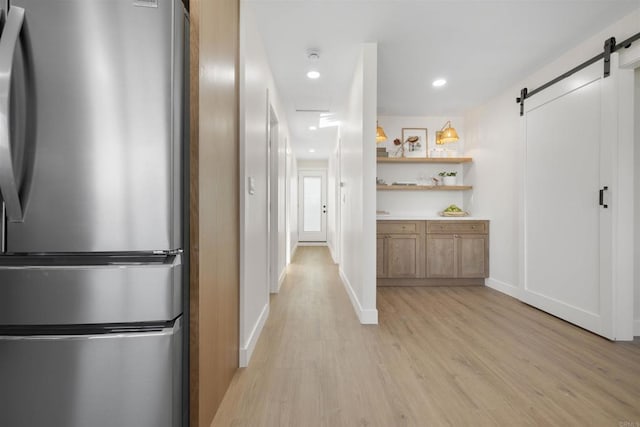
column 440, row 356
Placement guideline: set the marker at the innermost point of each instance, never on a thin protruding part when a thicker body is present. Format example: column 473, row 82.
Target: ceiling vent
column 311, row 110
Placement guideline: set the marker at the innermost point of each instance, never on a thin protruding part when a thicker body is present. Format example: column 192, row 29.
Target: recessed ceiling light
column 313, row 74
column 312, row 128
column 439, row 83
column 311, row 150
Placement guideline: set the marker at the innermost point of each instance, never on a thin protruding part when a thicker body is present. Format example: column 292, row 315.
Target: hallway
column 440, row 356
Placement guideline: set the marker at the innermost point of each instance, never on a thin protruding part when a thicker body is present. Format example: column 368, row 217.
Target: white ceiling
column 480, row 47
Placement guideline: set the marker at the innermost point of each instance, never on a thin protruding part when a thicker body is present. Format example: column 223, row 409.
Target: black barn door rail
column 610, row 47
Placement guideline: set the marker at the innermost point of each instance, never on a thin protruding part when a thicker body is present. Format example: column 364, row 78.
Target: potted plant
column 448, row 178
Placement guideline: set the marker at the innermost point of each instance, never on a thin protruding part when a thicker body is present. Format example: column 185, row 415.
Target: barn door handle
column 602, row 190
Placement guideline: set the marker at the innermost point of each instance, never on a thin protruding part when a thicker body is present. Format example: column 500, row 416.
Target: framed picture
column 415, row 142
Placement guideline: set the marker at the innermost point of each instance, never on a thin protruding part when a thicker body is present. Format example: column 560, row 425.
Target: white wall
column 313, row 164
column 256, row 81
column 358, row 197
column 637, row 204
column 290, row 222
column 333, row 200
column 282, row 205
column 293, row 207
column 420, row 202
column 494, row 139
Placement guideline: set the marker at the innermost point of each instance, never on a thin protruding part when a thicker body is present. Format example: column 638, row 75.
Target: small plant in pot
column 448, row 178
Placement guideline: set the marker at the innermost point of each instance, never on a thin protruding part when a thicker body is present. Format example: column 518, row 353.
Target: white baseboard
column 503, row 287
column 283, row 274
column 366, row 316
column 333, row 253
column 513, row 291
column 247, row 350
column 369, row 316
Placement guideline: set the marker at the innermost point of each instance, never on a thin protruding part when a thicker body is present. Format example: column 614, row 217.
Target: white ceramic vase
column 449, row 180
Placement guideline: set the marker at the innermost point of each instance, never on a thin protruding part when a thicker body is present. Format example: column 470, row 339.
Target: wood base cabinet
column 457, row 256
column 400, row 249
column 432, row 253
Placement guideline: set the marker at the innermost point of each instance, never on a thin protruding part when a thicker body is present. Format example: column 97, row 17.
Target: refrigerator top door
column 107, row 158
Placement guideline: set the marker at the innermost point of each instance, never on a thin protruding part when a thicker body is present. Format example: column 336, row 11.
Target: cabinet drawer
column 477, row 227
column 399, row 227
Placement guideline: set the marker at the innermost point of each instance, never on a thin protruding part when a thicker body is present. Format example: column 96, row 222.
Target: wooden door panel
column 381, row 258
column 441, row 260
column 404, row 255
column 472, row 251
column 215, row 207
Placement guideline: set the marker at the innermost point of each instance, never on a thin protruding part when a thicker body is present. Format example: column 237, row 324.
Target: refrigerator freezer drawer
column 125, row 380
column 90, row 294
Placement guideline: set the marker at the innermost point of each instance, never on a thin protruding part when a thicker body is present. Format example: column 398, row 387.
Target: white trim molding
column 303, row 243
column 630, row 57
column 247, row 350
column 366, row 317
column 503, row 287
column 333, row 253
column 283, row 274
column 636, row 328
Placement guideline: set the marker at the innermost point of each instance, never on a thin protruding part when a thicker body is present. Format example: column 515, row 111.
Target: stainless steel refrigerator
column 92, row 176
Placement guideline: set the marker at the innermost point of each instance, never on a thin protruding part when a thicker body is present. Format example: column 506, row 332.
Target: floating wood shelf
column 424, row 159
column 424, row 187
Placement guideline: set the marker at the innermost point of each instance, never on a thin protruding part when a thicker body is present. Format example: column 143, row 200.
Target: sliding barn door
column 570, row 132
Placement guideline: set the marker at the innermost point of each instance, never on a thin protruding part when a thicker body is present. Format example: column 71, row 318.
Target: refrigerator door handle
column 3, row 229
column 8, row 181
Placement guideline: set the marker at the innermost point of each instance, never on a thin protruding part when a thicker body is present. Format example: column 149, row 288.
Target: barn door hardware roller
column 521, row 98
column 610, row 47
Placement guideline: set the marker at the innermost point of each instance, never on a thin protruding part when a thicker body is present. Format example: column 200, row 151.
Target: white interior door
column 570, row 132
column 312, row 206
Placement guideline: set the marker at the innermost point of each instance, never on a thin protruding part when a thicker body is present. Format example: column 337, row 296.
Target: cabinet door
column 381, row 256
column 405, row 255
column 441, row 259
column 473, row 255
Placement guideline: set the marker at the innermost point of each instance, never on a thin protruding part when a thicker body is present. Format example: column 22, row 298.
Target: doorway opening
column 273, row 198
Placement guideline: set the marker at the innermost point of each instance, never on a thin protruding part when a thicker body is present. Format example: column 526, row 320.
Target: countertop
column 426, row 217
